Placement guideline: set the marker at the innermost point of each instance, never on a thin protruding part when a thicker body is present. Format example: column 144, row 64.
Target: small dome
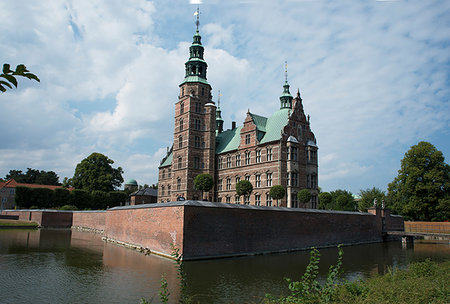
column 292, row 139
column 131, row 182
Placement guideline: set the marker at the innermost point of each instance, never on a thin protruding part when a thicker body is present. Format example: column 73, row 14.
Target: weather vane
column 285, row 70
column 197, row 13
column 218, row 99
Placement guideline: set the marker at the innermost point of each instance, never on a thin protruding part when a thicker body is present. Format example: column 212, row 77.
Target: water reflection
column 64, row 266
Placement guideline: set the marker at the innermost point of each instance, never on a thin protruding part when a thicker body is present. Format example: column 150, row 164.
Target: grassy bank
column 422, row 282
column 17, row 224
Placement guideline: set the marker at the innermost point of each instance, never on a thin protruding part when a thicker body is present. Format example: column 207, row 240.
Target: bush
column 100, row 199
column 116, row 198
column 42, row 197
column 68, row 207
column 61, row 197
column 22, row 197
column 81, row 199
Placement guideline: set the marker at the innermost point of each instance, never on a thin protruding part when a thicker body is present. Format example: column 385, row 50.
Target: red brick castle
column 267, row 151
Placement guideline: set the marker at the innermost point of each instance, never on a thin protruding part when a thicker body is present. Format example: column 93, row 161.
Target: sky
column 374, row 77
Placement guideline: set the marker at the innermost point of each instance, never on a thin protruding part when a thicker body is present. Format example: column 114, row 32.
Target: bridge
column 443, row 236
column 422, row 230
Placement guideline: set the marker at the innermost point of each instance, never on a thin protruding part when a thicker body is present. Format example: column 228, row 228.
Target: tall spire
column 196, row 66
column 219, row 120
column 286, row 97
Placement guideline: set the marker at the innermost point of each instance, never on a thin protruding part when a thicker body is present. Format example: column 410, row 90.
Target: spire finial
column 285, row 70
column 197, row 13
column 218, row 99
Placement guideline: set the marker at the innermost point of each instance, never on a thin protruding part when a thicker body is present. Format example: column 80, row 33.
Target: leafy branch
column 10, row 76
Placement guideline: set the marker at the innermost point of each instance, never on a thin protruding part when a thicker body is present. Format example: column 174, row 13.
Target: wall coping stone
column 192, row 203
column 39, row 210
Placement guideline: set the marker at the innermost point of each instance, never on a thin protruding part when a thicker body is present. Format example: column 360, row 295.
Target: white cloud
column 373, row 76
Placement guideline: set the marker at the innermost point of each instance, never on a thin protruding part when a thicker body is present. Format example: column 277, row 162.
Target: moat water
column 64, row 266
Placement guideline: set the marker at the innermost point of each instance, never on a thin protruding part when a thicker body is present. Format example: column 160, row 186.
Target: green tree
column 368, row 196
column 421, row 190
column 304, row 196
column 342, row 200
column 10, row 76
column 325, row 200
column 33, row 176
column 277, row 192
column 96, row 173
column 244, row 187
column 203, row 182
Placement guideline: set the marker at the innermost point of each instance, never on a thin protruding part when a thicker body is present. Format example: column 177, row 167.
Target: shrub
column 81, row 199
column 116, row 198
column 100, row 199
column 42, row 197
column 68, row 207
column 22, row 197
column 61, row 197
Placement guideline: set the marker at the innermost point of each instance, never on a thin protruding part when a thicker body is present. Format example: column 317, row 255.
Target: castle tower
column 195, row 126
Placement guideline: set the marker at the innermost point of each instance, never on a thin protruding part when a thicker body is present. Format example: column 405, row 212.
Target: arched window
column 178, row 183
column 180, row 141
column 181, row 124
column 162, row 190
column 180, row 162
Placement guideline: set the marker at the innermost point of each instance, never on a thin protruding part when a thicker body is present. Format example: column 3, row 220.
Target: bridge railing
column 428, row 227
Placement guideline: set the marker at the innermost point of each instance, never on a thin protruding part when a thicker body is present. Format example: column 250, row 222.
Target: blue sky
column 373, row 75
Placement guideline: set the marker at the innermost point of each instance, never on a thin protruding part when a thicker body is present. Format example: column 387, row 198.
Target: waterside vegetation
column 17, row 223
column 421, row 282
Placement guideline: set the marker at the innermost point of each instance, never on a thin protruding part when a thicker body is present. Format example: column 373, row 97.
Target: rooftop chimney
column 233, row 125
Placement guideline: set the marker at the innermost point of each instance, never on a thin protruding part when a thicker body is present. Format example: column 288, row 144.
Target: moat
column 65, row 266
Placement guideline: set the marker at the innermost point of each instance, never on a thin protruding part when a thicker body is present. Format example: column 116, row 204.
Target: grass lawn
column 17, row 223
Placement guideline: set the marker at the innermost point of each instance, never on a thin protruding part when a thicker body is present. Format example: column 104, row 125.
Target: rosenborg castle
column 267, row 151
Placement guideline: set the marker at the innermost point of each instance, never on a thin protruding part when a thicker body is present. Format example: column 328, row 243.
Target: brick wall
column 89, row 219
column 214, row 230
column 430, row 227
column 154, row 226
column 45, row 218
column 204, row 229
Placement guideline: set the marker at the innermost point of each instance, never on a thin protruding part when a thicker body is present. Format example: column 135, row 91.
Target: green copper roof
column 131, row 182
column 228, row 140
column 260, row 122
column 269, row 129
column 194, row 79
column 168, row 160
column 275, row 125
